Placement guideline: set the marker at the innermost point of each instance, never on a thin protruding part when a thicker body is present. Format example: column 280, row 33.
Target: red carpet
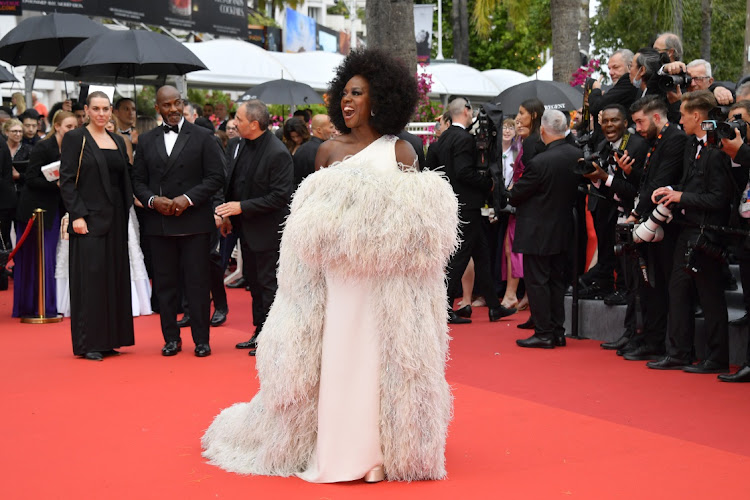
column 576, row 422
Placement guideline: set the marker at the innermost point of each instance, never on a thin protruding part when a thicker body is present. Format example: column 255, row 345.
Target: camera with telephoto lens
column 625, row 245
column 485, row 139
column 670, row 83
column 719, row 128
column 586, row 164
column 652, row 230
column 705, row 246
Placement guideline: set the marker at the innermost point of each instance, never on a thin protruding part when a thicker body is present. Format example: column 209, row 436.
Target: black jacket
column 624, row 186
column 39, row 192
column 266, row 194
column 304, row 159
column 194, row 169
column 545, row 196
column 7, row 187
column 664, row 168
column 92, row 197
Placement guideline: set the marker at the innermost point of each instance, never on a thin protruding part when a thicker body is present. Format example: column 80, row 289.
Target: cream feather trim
column 397, row 230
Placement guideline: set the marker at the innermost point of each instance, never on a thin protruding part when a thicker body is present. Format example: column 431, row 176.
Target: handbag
column 80, row 157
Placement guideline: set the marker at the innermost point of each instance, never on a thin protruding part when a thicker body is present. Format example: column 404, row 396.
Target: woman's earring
column 372, row 113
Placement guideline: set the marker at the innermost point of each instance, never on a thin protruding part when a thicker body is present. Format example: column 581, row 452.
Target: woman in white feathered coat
column 352, row 356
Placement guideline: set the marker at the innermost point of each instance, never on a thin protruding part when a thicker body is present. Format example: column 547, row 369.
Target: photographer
column 703, row 196
column 621, row 92
column 738, row 149
column 662, row 167
column 621, row 155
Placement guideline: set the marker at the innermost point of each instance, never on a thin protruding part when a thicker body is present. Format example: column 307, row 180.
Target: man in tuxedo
column 456, row 151
column 663, row 167
column 177, row 170
column 304, row 158
column 703, row 198
column 124, row 113
column 544, row 198
column 221, row 116
column 261, row 181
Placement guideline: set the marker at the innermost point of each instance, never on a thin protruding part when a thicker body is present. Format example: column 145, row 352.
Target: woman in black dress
column 96, row 190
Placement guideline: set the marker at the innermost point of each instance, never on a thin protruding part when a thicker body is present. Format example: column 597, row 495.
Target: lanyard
column 656, row 143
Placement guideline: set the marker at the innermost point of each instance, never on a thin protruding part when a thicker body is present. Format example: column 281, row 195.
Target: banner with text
column 423, row 14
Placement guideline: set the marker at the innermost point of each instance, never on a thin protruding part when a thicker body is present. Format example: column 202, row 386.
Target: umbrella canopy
column 283, row 92
column 6, row 76
column 554, row 95
column 46, row 40
column 126, row 54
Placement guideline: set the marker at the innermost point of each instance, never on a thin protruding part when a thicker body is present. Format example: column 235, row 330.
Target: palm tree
column 565, row 52
column 390, row 26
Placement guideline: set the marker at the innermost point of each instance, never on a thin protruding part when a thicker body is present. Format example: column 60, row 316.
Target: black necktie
column 170, row 128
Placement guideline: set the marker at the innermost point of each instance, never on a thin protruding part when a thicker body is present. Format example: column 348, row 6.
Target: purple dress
column 516, row 259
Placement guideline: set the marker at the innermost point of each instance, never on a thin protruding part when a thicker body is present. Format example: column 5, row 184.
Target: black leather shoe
column 617, row 344
column 202, row 350
column 93, row 356
column 668, row 363
column 698, row 311
column 500, row 312
column 251, row 352
column 616, row 298
column 643, row 353
column 240, row 283
column 111, row 352
column 742, row 375
column 528, row 325
column 219, row 317
column 464, row 312
column 706, row 366
column 171, row 348
column 560, row 341
column 184, row 321
column 742, row 321
column 537, row 342
column 250, row 344
column 630, row 346
column 455, row 319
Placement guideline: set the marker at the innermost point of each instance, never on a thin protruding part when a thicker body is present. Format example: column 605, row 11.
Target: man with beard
column 662, row 167
column 177, row 170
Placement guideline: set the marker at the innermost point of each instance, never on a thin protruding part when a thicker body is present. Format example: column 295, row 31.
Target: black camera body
column 626, row 245
column 670, row 83
column 590, row 155
column 704, row 245
column 717, row 129
column 485, row 140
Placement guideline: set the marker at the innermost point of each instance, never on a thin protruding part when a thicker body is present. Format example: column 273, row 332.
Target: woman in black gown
column 96, row 190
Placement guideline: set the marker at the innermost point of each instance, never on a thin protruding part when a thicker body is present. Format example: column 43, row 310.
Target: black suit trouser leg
column 263, row 283
column 655, row 296
column 218, row 292
column 188, row 255
column 605, row 219
column 227, row 247
column 545, row 285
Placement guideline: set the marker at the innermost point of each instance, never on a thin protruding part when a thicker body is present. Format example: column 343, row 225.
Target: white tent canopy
column 316, row 69
column 505, row 78
column 459, row 79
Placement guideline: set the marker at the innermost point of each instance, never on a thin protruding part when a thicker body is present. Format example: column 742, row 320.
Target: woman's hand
column 80, row 226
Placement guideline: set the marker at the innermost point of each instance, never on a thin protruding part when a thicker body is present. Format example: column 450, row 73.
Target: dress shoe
column 240, row 283
column 375, row 475
column 93, row 356
column 500, row 312
column 464, row 312
column 250, row 344
column 528, row 325
column 171, row 348
column 111, row 352
column 536, row 341
column 698, row 311
column 742, row 375
column 643, row 353
column 455, row 319
column 706, row 366
column 742, row 321
column 630, row 346
column 616, row 298
column 560, row 341
column 219, row 317
column 668, row 363
column 617, row 344
column 202, row 350
column 184, row 321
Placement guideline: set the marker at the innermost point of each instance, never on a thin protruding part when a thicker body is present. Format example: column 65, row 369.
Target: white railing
column 421, row 128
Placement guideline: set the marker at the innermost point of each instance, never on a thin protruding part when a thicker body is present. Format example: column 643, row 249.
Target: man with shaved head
column 304, row 158
column 177, row 170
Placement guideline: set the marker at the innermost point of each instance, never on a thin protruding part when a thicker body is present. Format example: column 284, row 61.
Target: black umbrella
column 6, row 76
column 283, row 92
column 126, row 54
column 554, row 95
column 46, row 40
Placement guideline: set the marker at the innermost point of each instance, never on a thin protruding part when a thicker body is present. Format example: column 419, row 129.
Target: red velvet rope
column 23, row 238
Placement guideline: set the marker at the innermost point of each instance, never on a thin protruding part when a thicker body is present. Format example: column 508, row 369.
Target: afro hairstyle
column 393, row 90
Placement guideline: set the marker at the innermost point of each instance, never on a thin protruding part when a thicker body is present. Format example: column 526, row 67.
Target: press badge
column 744, row 207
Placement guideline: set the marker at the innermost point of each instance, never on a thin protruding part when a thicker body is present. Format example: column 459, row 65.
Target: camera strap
column 653, row 148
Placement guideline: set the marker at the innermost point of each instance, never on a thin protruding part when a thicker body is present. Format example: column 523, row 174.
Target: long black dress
column 100, row 303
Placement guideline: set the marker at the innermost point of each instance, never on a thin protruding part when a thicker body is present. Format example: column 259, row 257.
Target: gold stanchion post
column 41, row 289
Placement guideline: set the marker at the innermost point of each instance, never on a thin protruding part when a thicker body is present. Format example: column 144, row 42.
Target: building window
column 314, row 12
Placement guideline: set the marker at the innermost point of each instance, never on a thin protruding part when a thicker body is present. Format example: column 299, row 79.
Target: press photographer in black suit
column 177, row 170
column 703, row 197
column 663, row 167
column 455, row 150
column 261, row 182
column 545, row 196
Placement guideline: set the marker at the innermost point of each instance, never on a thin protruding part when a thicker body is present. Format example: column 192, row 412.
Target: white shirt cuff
column 608, row 182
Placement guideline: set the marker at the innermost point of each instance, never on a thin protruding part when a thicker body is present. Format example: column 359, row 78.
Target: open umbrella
column 126, row 54
column 554, row 95
column 6, row 76
column 46, row 40
column 283, row 92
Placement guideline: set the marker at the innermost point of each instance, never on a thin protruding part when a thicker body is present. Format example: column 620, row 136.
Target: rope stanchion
column 41, row 316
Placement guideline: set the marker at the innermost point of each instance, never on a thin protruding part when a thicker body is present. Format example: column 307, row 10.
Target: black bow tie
column 170, row 128
column 700, row 142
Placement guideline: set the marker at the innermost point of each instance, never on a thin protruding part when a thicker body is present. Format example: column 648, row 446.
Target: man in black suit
column 261, row 181
column 304, row 158
column 545, row 196
column 621, row 92
column 456, row 152
column 177, row 170
column 663, row 167
column 703, row 197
